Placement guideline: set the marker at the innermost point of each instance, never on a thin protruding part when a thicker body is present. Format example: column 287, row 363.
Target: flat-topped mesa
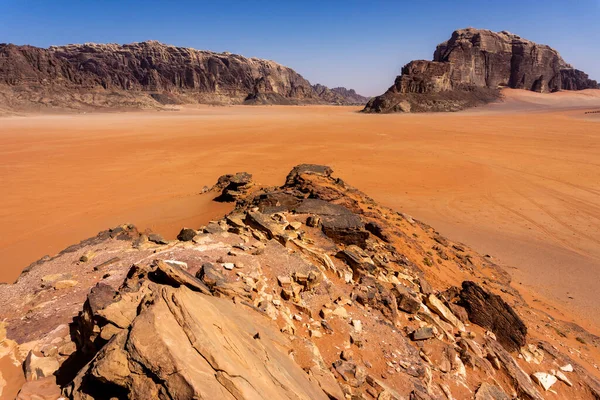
column 147, row 74
column 471, row 67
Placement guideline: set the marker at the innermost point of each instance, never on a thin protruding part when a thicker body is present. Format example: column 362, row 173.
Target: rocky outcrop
column 339, row 95
column 309, row 290
column 470, row 68
column 146, row 74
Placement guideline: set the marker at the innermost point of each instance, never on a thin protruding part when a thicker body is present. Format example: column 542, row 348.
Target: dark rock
column 210, row 275
column 149, row 74
column 269, row 203
column 468, row 69
column 378, row 231
column 423, row 333
column 297, row 171
column 186, row 234
column 234, row 186
column 407, row 300
column 156, row 238
column 339, row 95
column 313, row 221
column 490, row 311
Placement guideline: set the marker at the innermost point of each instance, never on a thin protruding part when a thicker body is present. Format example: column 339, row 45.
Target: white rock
column 567, row 368
column 176, row 263
column 341, row 312
column 544, row 380
column 228, row 266
column 357, row 324
column 562, row 377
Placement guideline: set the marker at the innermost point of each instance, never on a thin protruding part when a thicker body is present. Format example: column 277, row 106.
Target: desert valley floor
column 519, row 181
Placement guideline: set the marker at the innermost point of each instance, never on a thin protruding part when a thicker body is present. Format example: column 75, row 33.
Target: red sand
column 519, row 180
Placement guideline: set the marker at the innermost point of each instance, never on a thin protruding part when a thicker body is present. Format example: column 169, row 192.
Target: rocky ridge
column 310, row 290
column 470, row 68
column 146, row 75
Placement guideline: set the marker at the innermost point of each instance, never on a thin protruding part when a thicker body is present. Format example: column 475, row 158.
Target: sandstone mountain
column 471, row 67
column 339, row 95
column 147, row 74
column 310, row 290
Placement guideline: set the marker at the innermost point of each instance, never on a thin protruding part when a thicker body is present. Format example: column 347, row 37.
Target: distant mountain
column 339, row 95
column 146, row 75
column 469, row 68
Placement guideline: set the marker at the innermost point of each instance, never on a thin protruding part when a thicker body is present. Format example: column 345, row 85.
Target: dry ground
column 518, row 180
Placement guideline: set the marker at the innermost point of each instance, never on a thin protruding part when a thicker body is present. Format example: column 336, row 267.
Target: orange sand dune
column 522, row 186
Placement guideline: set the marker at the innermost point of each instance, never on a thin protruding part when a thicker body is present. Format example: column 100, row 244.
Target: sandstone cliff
column 147, row 74
column 469, row 68
column 339, row 95
column 310, row 290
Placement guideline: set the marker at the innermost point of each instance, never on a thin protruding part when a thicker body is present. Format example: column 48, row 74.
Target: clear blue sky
column 358, row 44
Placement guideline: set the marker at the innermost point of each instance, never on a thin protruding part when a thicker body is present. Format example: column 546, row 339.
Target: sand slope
column 518, row 180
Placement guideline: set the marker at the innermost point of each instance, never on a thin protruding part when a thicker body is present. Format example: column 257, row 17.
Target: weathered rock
column 468, row 69
column 423, row 333
column 41, row 389
column 544, row 379
column 490, row 392
column 36, row 366
column 149, row 75
column 157, row 238
column 490, row 311
column 234, row 186
column 65, row 284
column 186, row 234
column 444, row 312
column 520, row 379
column 406, row 299
column 201, row 347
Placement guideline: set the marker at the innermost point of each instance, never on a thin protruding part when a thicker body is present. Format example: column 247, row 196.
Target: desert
column 180, row 223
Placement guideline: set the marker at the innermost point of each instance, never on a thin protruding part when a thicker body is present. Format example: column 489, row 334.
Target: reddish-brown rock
column 469, row 68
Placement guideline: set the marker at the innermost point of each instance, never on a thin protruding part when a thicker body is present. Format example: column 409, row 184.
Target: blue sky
column 357, row 44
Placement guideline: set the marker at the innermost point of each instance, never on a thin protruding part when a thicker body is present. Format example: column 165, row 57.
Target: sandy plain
column 519, row 180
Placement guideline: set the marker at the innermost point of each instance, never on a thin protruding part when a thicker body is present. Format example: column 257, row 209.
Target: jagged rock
column 490, row 311
column 339, row 95
column 444, row 312
column 201, row 347
column 544, row 380
column 490, row 392
column 562, row 377
column 567, row 368
column 406, row 299
column 157, row 238
column 468, row 69
column 311, row 169
column 234, row 186
column 186, row 234
column 520, row 379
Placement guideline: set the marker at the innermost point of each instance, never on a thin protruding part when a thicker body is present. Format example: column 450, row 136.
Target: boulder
column 490, row 311
column 186, row 234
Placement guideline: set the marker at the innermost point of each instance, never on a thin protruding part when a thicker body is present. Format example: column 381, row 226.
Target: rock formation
column 470, row 68
column 147, row 74
column 339, row 95
column 310, row 290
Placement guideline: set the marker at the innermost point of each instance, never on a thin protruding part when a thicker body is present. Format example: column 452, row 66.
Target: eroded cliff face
column 145, row 74
column 474, row 64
